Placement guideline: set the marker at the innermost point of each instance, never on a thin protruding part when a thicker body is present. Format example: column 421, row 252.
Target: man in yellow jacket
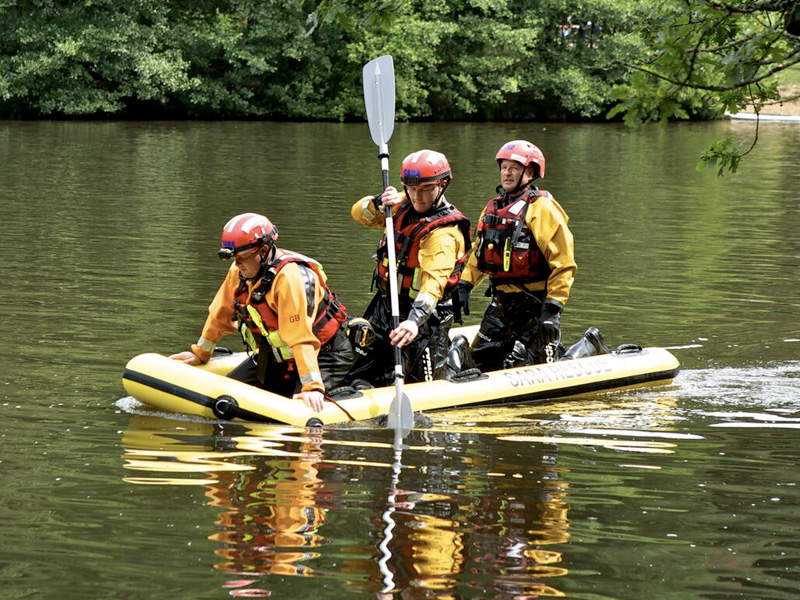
column 432, row 239
column 290, row 320
column 526, row 248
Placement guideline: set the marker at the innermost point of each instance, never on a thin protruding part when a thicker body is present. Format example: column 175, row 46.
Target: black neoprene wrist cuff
column 552, row 306
column 419, row 313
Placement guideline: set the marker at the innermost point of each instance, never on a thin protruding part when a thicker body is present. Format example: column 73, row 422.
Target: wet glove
column 462, row 295
column 550, row 322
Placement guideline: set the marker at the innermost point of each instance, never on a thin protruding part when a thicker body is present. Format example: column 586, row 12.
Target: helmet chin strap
column 441, row 194
column 518, row 187
column 267, row 258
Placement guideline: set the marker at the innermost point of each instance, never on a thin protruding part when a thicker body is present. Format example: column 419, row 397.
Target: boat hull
column 204, row 391
column 764, row 118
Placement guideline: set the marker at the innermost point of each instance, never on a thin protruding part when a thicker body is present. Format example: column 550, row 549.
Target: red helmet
column 245, row 232
column 425, row 166
column 522, row 152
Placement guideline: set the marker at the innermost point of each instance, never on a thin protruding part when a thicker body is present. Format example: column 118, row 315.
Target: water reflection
column 452, row 522
column 271, row 501
column 271, row 515
column 636, row 408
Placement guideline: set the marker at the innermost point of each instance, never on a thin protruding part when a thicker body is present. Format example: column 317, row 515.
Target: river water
column 109, row 234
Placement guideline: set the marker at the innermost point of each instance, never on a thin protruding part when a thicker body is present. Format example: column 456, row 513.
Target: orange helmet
column 425, row 166
column 524, row 153
column 246, row 232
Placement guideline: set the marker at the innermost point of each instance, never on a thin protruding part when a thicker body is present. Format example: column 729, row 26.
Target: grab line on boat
column 186, row 394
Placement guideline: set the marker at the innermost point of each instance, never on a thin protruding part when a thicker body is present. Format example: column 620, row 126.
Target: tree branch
column 794, row 56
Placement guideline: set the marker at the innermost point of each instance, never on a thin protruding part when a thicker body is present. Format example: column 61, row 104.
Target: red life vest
column 331, row 313
column 409, row 229
column 505, row 247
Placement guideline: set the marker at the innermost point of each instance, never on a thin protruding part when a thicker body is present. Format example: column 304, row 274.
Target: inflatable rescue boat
column 205, row 391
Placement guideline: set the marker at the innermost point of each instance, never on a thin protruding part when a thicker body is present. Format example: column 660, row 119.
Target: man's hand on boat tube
column 405, row 333
column 188, row 357
column 313, row 399
column 550, row 322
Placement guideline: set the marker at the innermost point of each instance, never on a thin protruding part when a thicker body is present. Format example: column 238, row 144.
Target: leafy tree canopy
column 639, row 60
column 707, row 57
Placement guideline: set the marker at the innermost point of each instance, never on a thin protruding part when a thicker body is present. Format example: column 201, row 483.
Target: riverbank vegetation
column 639, row 60
column 455, row 59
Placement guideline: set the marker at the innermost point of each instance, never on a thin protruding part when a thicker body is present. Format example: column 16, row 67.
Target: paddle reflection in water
column 465, row 521
column 295, row 504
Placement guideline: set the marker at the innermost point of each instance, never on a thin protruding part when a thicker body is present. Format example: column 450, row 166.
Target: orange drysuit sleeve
column 220, row 316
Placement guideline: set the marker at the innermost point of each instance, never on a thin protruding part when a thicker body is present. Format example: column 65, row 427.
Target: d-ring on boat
column 205, row 391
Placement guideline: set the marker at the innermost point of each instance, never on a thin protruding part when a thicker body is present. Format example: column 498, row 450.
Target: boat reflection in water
column 476, row 529
column 294, row 504
column 271, row 515
column 270, row 498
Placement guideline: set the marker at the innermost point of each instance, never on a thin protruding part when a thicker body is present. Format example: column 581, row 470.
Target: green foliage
column 723, row 154
column 705, row 58
column 455, row 59
column 641, row 101
column 638, row 60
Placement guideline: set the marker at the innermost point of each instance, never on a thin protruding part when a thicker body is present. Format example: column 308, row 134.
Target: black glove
column 550, row 323
column 462, row 295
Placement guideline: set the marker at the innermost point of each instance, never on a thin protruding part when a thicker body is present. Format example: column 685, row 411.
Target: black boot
column 518, row 357
column 460, row 364
column 590, row 344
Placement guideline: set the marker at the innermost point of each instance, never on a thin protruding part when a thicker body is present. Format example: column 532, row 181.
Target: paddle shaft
column 379, row 102
column 393, row 292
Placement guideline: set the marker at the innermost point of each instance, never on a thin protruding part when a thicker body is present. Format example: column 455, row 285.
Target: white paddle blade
column 379, row 98
column 401, row 414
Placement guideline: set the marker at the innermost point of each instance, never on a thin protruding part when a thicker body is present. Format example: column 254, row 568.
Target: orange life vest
column 409, row 229
column 506, row 248
column 331, row 313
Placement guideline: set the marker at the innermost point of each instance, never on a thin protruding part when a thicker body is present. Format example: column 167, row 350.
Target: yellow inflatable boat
column 205, row 391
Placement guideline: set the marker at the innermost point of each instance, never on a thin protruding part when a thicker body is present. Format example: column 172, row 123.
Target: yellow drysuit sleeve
column 439, row 251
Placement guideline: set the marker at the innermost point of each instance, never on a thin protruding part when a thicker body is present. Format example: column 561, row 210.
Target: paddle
column 379, row 101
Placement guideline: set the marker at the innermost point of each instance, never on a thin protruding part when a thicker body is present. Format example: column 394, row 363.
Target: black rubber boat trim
column 208, row 402
column 181, row 392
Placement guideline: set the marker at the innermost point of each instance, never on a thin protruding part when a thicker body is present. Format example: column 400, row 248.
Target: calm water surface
column 109, row 233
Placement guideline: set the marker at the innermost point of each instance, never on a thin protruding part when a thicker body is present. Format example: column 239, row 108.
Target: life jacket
column 258, row 323
column 409, row 229
column 505, row 247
